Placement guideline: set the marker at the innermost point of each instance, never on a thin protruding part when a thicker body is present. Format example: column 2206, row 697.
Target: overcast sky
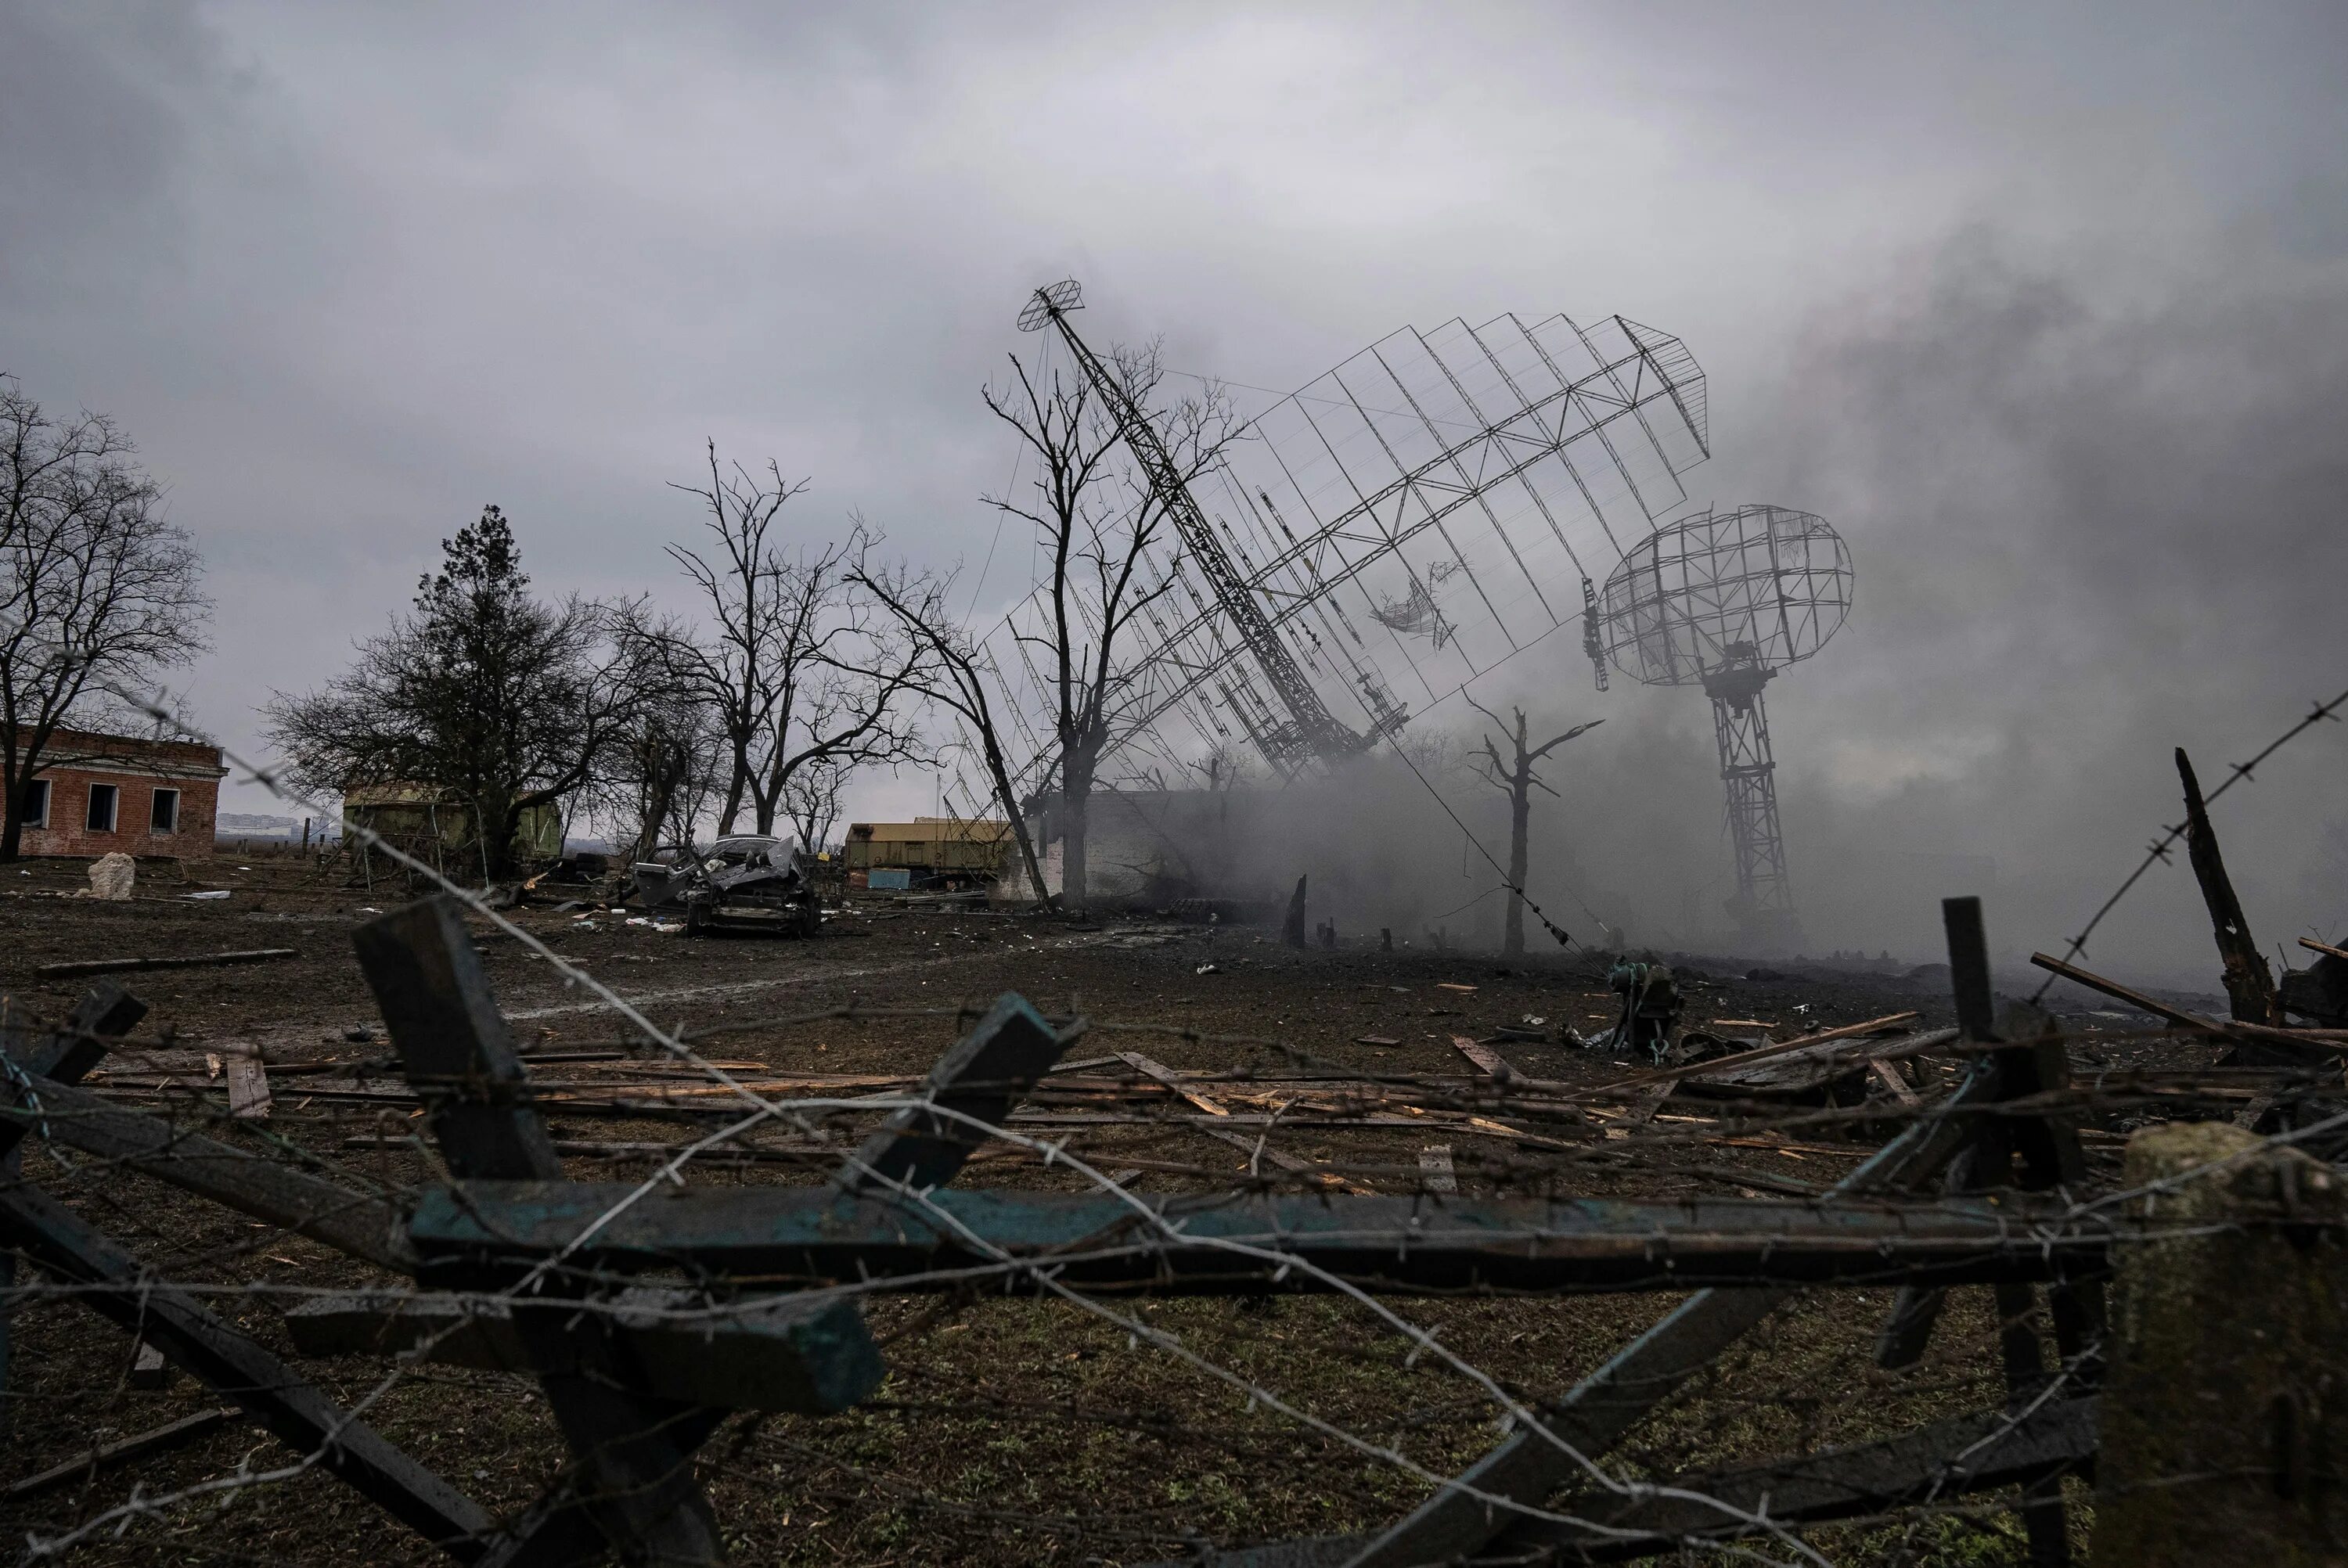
column 2046, row 308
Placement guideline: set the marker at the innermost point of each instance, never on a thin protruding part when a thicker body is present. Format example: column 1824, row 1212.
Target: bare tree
column 508, row 702
column 1517, row 777
column 97, row 588
column 798, row 670
column 1097, row 517
column 663, row 781
column 958, row 679
column 811, row 801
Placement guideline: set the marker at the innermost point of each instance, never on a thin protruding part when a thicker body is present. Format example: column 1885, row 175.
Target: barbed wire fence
column 1229, row 1393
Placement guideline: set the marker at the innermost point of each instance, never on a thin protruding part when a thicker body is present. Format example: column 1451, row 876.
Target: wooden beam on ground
column 121, row 1450
column 1259, row 1148
column 635, row 1451
column 125, row 1289
column 194, row 962
column 984, row 1074
column 1487, row 1062
column 2323, row 1039
column 1596, row 1413
column 1889, row 1076
column 1172, row 1079
column 1744, row 1058
column 1945, row 1460
column 359, row 1224
column 102, row 1016
column 792, row 1234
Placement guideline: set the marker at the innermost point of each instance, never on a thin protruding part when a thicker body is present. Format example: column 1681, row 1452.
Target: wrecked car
column 746, row 882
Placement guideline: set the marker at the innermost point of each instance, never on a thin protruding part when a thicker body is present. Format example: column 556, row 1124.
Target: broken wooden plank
column 1596, row 1413
column 2313, row 945
column 1172, row 1079
column 248, row 1089
column 984, row 1074
column 1718, row 1063
column 1259, row 1148
column 194, row 962
column 121, row 1450
column 1889, row 1076
column 1488, row 1062
column 125, row 1289
column 2326, row 1038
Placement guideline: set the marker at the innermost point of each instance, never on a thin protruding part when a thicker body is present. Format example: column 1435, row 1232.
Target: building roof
column 95, row 751
column 931, row 830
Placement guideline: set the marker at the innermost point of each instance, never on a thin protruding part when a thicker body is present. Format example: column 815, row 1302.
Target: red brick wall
column 68, row 832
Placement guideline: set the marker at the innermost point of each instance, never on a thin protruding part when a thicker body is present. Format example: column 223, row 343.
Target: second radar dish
column 1761, row 584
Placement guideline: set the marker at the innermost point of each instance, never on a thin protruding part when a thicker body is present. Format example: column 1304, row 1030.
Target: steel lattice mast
column 1309, row 731
column 1740, row 725
column 1390, row 532
column 1724, row 600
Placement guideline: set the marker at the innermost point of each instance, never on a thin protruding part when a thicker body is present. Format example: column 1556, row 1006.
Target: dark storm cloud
column 2040, row 304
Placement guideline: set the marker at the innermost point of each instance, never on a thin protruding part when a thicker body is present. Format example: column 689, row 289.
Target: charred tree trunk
column 2249, row 984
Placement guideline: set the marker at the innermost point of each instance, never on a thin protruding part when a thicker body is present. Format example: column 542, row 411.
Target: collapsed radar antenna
column 1724, row 601
column 1049, row 302
column 1311, row 729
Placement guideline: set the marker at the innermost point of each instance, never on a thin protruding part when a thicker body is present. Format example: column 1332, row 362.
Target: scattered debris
column 1487, row 1060
column 217, row 893
column 744, row 883
column 111, row 876
column 196, row 961
column 171, row 1435
column 248, row 1089
column 150, row 1373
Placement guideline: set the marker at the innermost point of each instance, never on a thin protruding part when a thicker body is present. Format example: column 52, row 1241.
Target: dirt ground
column 1010, row 1431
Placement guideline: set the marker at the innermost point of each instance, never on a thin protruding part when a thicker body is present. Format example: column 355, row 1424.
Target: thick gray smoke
column 2086, row 532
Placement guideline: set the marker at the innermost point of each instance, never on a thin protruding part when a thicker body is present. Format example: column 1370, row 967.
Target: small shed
column 436, row 825
column 929, row 849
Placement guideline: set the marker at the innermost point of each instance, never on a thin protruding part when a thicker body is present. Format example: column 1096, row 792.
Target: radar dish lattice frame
column 1724, row 600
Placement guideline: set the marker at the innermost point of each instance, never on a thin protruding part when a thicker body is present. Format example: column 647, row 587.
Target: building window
column 163, row 816
column 102, row 801
column 37, row 803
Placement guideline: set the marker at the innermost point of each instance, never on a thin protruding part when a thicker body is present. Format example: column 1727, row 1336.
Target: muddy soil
column 1010, row 1431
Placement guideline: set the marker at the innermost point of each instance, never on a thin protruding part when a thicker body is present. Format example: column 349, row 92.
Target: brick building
column 96, row 794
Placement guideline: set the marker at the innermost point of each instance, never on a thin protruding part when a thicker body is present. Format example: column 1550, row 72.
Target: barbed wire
column 1642, row 1150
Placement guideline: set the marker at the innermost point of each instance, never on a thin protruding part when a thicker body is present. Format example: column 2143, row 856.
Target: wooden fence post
column 2225, row 1407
